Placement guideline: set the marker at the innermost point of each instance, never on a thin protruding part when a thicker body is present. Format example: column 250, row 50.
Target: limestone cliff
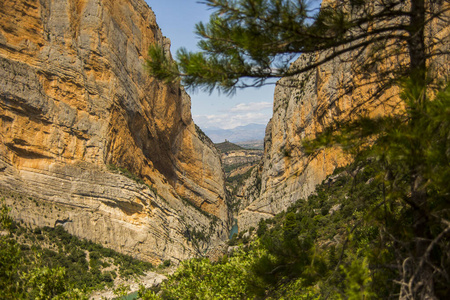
column 239, row 157
column 305, row 105
column 91, row 142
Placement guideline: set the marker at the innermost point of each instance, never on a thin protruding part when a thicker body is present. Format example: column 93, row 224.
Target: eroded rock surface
column 79, row 117
column 239, row 157
column 305, row 105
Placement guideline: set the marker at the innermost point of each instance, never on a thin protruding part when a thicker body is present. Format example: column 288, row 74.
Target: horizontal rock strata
column 102, row 149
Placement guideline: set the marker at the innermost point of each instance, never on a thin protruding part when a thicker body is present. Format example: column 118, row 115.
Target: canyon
column 91, row 142
column 307, row 104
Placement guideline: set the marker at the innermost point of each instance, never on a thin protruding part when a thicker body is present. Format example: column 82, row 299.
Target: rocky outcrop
column 239, row 157
column 100, row 147
column 305, row 105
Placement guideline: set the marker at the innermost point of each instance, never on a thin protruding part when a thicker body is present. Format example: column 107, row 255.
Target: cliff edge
column 90, row 142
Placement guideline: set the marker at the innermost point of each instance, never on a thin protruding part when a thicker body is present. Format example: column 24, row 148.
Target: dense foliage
column 49, row 263
column 392, row 239
column 411, row 154
column 303, row 252
column 361, row 235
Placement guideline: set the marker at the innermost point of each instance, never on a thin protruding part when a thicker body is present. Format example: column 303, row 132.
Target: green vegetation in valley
column 229, row 168
column 303, row 253
column 363, row 234
column 236, row 173
column 49, row 263
column 240, row 177
column 395, row 242
column 252, row 145
column 235, row 182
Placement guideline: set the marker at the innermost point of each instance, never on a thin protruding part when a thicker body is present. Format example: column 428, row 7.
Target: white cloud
column 253, row 106
column 229, row 120
column 239, row 115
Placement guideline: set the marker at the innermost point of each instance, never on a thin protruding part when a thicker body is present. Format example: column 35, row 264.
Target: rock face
column 239, row 157
column 305, row 105
column 96, row 144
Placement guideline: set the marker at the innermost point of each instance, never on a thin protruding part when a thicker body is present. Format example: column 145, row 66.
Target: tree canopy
column 249, row 42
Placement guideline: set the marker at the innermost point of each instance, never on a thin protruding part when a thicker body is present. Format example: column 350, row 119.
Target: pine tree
column 412, row 155
column 249, row 42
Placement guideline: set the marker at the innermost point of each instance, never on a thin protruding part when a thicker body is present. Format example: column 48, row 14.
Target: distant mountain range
column 248, row 132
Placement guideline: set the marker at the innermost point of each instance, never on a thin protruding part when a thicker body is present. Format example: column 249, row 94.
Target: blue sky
column 177, row 19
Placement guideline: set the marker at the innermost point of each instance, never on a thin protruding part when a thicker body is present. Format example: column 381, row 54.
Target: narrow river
column 235, row 229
